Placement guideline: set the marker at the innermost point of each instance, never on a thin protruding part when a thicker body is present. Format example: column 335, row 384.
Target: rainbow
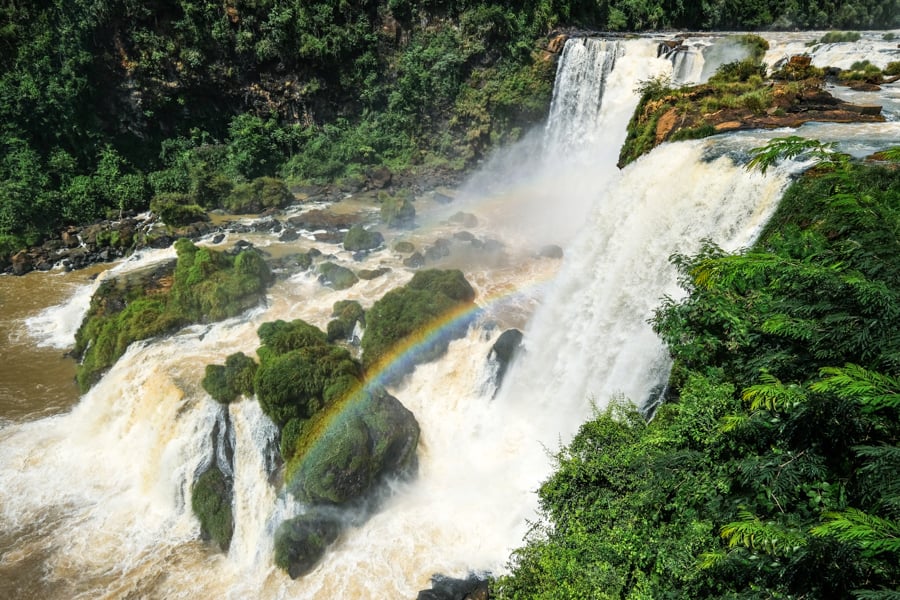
column 396, row 363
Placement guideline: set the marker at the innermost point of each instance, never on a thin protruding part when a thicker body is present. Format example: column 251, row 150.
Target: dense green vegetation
column 107, row 104
column 204, row 285
column 771, row 472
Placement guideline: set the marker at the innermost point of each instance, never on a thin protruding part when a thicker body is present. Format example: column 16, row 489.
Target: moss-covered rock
column 203, row 285
column 176, row 209
column 350, row 447
column 211, row 503
column 235, row 378
column 336, row 277
column 359, row 239
column 420, row 314
column 398, row 212
column 258, row 195
column 346, row 313
column 297, row 384
column 300, row 542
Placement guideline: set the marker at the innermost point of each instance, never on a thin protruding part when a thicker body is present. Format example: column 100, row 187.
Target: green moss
column 300, row 542
column 211, row 503
column 346, row 313
column 836, row 37
column 280, row 337
column 693, row 133
column 235, row 378
column 294, row 385
column 176, row 209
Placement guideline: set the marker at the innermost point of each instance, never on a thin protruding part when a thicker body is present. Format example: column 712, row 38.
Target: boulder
column 358, row 239
column 302, row 541
column 336, row 277
column 473, row 587
column 360, row 442
column 22, row 262
column 551, row 251
column 504, row 351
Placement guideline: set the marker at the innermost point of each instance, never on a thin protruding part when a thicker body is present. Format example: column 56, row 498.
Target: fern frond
column 771, row 394
column 872, row 390
column 872, row 534
column 711, row 560
column 876, row 594
column 789, row 147
column 750, row 532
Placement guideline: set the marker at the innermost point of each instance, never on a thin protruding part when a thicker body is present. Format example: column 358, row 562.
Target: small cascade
column 581, row 81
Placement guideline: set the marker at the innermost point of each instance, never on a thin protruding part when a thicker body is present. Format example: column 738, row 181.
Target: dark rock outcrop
column 504, row 351
column 473, row 587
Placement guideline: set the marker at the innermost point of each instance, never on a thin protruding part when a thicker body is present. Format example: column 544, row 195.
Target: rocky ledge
column 794, row 96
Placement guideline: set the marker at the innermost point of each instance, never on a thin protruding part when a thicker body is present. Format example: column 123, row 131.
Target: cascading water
column 96, row 502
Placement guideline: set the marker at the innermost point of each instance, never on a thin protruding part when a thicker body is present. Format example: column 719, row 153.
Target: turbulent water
column 94, row 502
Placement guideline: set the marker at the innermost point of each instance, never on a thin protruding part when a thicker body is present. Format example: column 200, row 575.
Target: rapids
column 95, row 498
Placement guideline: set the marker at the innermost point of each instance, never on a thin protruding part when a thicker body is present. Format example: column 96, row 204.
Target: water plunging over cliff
column 95, row 502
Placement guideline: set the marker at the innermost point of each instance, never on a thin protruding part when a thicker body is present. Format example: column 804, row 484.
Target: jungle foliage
column 106, row 104
column 771, row 471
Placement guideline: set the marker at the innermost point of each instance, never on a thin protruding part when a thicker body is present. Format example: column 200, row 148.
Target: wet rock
column 464, row 236
column 551, row 251
column 441, row 198
column 302, row 541
column 22, row 262
column 473, row 587
column 323, row 219
column 359, row 239
column 504, row 351
column 336, row 277
column 404, row 247
column 379, row 177
column 465, row 219
column 369, row 274
column 217, row 239
column 288, row 235
column 414, row 261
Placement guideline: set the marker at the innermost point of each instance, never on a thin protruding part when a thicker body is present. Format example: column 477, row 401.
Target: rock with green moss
column 346, row 313
column 424, row 315
column 211, row 503
column 201, row 286
column 359, row 239
column 302, row 541
column 176, row 209
column 351, row 447
column 397, row 212
column 336, row 277
column 258, row 195
column 235, row 378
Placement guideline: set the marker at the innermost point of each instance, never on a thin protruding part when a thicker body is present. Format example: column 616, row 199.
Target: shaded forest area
column 106, row 104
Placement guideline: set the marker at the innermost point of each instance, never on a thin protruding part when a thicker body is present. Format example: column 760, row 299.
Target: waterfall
column 581, row 79
column 96, row 502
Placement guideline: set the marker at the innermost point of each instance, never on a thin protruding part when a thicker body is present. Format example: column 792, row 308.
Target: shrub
column 280, row 337
column 892, row 68
column 739, row 70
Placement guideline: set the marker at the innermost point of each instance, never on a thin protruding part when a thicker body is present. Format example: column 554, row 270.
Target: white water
column 99, row 497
